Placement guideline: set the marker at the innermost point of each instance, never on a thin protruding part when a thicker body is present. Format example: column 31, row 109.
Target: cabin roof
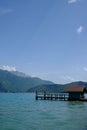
column 75, row 89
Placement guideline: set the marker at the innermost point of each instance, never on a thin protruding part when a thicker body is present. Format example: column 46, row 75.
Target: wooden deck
column 52, row 96
column 56, row 96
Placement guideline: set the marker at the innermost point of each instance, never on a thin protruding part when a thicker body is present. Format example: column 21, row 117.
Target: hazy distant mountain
column 54, row 88
column 14, row 81
column 18, row 82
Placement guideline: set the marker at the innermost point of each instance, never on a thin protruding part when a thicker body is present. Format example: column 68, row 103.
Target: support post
column 36, row 95
column 51, row 97
column 44, row 95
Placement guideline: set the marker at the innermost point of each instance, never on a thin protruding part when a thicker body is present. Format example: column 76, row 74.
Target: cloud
column 39, row 74
column 4, row 11
column 68, row 78
column 79, row 29
column 72, row 1
column 8, row 68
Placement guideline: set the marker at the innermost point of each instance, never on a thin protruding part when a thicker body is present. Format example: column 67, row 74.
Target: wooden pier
column 52, row 96
column 57, row 96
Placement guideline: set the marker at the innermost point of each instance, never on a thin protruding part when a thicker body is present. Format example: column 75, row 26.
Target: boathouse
column 76, row 92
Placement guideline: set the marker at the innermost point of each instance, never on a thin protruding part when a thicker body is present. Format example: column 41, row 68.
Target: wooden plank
column 51, row 96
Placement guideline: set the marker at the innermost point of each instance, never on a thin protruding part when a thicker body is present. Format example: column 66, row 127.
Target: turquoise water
column 23, row 112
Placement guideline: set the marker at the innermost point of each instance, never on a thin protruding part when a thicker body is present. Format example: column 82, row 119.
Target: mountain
column 2, row 89
column 14, row 81
column 54, row 88
column 20, row 74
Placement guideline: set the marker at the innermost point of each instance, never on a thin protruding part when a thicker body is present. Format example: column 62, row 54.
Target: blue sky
column 44, row 38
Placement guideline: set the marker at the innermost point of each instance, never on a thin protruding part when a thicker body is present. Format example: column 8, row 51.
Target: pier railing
column 52, row 96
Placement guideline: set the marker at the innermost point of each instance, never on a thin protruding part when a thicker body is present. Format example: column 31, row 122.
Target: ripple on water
column 22, row 112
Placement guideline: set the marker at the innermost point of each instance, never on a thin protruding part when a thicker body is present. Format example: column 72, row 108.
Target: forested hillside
column 17, row 82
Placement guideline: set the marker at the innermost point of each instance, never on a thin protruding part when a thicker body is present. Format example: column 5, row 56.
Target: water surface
column 23, row 112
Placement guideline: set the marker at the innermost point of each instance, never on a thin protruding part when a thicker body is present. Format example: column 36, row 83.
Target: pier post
column 51, row 97
column 64, row 97
column 44, row 95
column 36, row 95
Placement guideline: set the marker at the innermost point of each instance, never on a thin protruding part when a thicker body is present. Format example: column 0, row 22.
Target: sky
column 44, row 38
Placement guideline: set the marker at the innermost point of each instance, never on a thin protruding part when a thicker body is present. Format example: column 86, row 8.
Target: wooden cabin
column 75, row 92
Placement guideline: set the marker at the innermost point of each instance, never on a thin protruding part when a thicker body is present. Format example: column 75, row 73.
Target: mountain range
column 54, row 88
column 15, row 81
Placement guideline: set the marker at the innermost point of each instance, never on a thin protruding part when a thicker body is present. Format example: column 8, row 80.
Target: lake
column 22, row 112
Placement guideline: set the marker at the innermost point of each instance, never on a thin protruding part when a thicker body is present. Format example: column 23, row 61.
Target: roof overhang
column 75, row 89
